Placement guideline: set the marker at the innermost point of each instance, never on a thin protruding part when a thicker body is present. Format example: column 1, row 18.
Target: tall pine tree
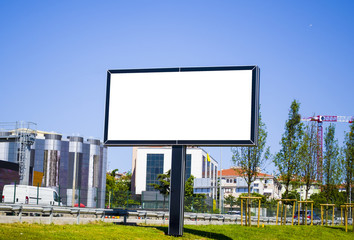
column 308, row 155
column 331, row 163
column 349, row 163
column 288, row 158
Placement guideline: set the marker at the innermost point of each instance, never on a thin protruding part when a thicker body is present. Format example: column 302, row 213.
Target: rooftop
column 236, row 172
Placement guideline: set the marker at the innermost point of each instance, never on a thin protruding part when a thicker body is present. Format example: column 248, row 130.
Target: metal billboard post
column 178, row 168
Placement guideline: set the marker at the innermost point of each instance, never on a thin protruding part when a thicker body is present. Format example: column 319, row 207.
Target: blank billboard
column 206, row 106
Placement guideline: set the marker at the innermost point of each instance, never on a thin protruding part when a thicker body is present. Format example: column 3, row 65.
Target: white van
column 28, row 195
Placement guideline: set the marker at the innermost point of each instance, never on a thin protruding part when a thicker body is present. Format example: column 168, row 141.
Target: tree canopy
column 287, row 159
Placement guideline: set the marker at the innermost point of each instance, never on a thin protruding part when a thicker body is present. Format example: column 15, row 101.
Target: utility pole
column 220, row 181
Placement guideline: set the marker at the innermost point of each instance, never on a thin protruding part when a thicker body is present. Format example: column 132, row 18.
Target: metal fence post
column 51, row 215
column 126, row 207
column 37, row 192
column 110, row 199
column 97, row 198
column 276, row 221
column 20, row 214
column 155, row 200
column 78, row 217
column 15, row 192
column 192, row 203
column 79, row 197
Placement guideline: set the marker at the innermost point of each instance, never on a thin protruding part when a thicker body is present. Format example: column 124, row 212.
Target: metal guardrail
column 77, row 215
column 19, row 210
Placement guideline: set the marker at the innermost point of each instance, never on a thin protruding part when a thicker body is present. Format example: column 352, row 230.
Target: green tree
column 308, row 156
column 188, row 187
column 118, row 190
column 339, row 198
column 288, row 158
column 230, row 200
column 348, row 163
column 291, row 195
column 251, row 159
column 193, row 202
column 264, row 199
column 163, row 185
column 332, row 170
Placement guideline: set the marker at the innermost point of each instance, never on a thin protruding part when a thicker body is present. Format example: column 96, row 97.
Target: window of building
column 235, row 180
column 216, row 171
column 201, row 190
column 256, row 190
column 268, row 181
column 228, row 190
column 229, row 180
column 241, row 190
column 203, row 167
column 188, row 165
column 256, row 185
column 154, row 166
column 208, row 169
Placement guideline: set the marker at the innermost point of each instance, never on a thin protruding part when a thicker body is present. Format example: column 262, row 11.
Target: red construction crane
column 320, row 119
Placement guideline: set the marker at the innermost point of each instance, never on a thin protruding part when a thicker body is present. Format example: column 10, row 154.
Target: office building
column 148, row 162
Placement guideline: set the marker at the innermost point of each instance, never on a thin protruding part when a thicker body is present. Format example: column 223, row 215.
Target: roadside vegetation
column 224, row 232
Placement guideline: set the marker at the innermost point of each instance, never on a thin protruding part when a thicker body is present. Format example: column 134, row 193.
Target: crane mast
column 320, row 119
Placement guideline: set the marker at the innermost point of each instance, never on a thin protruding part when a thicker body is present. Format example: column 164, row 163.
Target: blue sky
column 54, row 56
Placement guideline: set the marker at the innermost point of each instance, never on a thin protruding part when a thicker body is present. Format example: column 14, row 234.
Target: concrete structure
column 233, row 183
column 148, row 162
column 69, row 165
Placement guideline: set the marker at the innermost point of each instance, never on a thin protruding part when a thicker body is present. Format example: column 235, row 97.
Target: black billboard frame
column 254, row 111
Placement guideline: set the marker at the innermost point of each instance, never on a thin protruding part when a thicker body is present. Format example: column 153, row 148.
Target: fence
column 151, row 200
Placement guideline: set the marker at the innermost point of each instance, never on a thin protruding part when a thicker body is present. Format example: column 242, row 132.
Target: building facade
column 75, row 167
column 315, row 187
column 148, row 162
column 234, row 184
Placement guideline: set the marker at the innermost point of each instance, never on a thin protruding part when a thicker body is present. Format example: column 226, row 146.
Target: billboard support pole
column 178, row 168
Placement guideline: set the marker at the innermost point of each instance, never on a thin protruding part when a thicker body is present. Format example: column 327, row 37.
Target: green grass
column 110, row 231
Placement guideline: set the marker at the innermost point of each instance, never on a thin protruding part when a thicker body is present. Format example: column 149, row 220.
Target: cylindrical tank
column 95, row 165
column 5, row 153
column 74, row 164
column 51, row 162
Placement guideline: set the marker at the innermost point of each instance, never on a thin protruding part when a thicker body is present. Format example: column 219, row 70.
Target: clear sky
column 54, row 57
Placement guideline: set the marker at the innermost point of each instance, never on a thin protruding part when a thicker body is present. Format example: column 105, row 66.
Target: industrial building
column 69, row 165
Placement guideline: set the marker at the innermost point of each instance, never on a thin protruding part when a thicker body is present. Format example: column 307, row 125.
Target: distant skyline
column 54, row 57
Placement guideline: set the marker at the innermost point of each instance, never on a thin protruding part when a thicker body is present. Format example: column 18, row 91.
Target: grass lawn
column 110, row 231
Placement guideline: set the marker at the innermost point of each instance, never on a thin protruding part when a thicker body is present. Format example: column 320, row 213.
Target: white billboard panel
column 182, row 106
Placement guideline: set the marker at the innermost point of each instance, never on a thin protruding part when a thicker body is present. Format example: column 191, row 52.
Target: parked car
column 235, row 212
column 308, row 215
